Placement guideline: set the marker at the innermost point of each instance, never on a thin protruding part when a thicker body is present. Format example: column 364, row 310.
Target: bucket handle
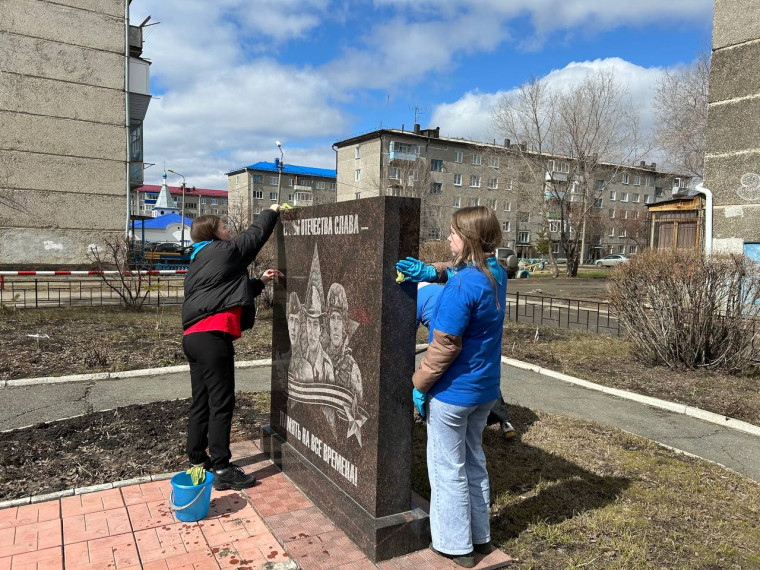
column 182, row 508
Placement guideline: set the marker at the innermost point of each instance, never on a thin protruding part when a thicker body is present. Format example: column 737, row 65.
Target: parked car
column 611, row 260
column 168, row 247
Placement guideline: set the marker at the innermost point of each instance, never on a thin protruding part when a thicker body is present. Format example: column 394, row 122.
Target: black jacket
column 217, row 279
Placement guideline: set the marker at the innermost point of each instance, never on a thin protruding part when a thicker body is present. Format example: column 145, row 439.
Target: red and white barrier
column 92, row 272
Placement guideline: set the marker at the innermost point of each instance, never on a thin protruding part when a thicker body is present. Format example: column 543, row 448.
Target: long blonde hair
column 481, row 234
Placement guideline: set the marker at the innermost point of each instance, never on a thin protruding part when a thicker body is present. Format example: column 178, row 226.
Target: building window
column 358, row 175
column 647, row 198
column 600, row 185
column 523, row 237
column 612, row 213
column 474, row 201
column 333, row 185
column 625, row 214
column 458, row 156
column 491, row 204
column 434, row 233
column 649, row 181
column 273, row 196
column 320, row 185
column 290, row 197
column 658, row 192
column 394, row 173
column 599, row 203
column 258, row 194
column 273, row 180
column 224, row 201
column 474, row 181
column 633, row 248
column 637, row 180
column 457, row 202
column 357, row 195
column 507, row 206
column 635, row 197
column 413, row 177
column 626, row 178
column 358, row 151
column 505, row 226
column 258, row 178
column 435, row 187
column 623, row 232
column 612, row 232
column 624, row 196
column 554, row 226
column 203, row 200
column 457, row 180
column 436, row 165
column 214, row 201
column 621, row 249
column 290, row 182
column 477, row 159
column 493, row 162
column 613, row 195
column 493, row 183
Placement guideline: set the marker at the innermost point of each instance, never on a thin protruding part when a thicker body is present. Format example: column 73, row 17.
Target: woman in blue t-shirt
column 458, row 381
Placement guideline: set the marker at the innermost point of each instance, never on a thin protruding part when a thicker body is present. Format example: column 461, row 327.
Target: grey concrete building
column 73, row 93
column 732, row 163
column 254, row 188
column 449, row 173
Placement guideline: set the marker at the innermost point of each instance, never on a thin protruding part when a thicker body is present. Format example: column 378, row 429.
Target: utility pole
column 279, row 168
column 182, row 239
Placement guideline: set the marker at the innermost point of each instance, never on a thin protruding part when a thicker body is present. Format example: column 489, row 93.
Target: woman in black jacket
column 218, row 306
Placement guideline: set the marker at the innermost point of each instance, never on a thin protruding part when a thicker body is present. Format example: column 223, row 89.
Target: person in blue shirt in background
column 427, row 299
column 458, row 381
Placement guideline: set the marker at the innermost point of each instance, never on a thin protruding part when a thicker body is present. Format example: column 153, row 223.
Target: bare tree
column 131, row 285
column 681, row 101
column 572, row 142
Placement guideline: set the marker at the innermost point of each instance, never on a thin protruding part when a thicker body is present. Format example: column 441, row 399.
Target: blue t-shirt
column 467, row 308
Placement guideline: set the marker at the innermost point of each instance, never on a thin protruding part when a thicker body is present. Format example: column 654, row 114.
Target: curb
column 98, row 376
column 683, row 409
column 83, row 490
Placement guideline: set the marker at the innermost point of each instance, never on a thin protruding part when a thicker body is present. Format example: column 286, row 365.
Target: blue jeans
column 460, row 493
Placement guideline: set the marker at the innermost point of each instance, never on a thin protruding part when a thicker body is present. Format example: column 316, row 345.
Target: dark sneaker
column 507, row 430
column 485, row 548
column 232, row 477
column 463, row 560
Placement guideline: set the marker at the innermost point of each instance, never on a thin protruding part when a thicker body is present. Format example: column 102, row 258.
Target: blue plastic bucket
column 190, row 502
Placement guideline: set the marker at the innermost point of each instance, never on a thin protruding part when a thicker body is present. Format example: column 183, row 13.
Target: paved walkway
column 272, row 525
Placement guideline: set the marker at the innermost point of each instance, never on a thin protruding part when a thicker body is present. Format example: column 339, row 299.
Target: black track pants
column 212, row 375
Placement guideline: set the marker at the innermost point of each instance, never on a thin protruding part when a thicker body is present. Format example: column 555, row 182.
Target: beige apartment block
column 451, row 173
column 732, row 164
column 64, row 113
column 255, row 187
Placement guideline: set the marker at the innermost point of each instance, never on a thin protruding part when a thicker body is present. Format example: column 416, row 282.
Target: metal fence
column 591, row 316
column 66, row 292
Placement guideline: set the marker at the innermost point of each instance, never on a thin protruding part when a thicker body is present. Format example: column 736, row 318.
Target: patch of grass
column 573, row 494
column 611, row 361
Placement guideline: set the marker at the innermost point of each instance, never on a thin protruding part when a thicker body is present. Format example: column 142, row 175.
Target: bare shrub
column 683, row 309
column 132, row 286
column 266, row 259
column 433, row 251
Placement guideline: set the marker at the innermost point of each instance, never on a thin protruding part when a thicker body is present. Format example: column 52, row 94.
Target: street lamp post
column 182, row 239
column 279, row 178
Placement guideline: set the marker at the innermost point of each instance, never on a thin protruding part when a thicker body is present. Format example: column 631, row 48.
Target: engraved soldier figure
column 340, row 328
column 316, row 357
column 298, row 368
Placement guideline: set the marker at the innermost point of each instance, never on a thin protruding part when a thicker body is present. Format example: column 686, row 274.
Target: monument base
column 379, row 538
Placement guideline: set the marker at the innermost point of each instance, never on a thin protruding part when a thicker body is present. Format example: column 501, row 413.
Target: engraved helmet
column 313, row 307
column 336, row 299
column 294, row 304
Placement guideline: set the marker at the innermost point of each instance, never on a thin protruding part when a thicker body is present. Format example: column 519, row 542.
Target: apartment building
column 74, row 90
column 450, row 173
column 198, row 201
column 255, row 187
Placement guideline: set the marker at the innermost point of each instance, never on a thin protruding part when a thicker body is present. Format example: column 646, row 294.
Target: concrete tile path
column 272, row 525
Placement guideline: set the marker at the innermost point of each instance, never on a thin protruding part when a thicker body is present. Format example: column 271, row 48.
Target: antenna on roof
column 417, row 112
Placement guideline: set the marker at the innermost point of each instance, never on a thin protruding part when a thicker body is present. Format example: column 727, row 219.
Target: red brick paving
column 133, row 527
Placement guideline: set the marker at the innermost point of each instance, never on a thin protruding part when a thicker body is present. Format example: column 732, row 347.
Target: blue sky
column 230, row 77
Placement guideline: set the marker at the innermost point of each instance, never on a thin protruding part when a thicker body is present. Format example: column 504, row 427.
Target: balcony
column 135, row 41
column 302, row 198
column 136, row 174
column 400, row 155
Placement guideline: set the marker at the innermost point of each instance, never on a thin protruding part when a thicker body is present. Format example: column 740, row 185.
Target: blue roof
column 289, row 169
column 161, row 222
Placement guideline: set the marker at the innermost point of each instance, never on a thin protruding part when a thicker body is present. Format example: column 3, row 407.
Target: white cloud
column 470, row 116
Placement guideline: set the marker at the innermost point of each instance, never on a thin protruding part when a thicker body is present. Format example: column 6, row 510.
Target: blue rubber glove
column 415, row 271
column 419, row 399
